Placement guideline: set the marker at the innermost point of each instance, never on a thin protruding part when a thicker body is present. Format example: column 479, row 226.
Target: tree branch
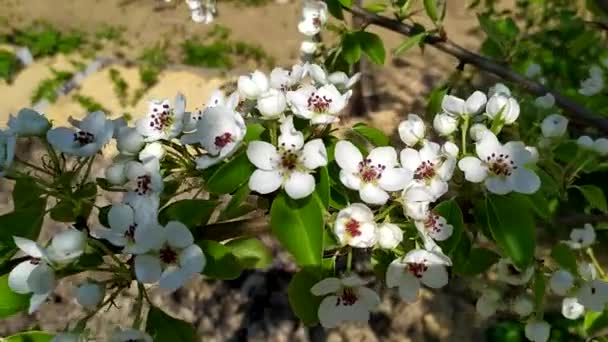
column 575, row 220
column 574, row 110
column 232, row 229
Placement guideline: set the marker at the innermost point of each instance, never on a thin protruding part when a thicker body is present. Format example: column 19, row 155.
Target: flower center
column 432, row 223
column 167, row 255
column 370, row 173
column 512, row 270
column 501, row 164
column 162, row 120
column 289, row 160
column 316, row 21
column 417, row 268
column 352, row 227
column 318, row 104
column 348, row 297
column 222, row 140
column 130, row 233
column 34, row 261
column 83, row 138
column 144, row 185
column 426, row 171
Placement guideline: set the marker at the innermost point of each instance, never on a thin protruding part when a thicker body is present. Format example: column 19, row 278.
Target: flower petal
column 326, row 286
column 41, row 279
column 262, row 154
column 173, row 278
column 476, row 102
column 395, row 179
column 373, row 194
column 524, row 181
column 265, row 182
column 17, row 279
column 121, row 217
column 178, row 235
column 314, row 154
column 329, row 314
column 410, row 158
column 299, row 185
column 62, row 138
column 436, row 276
column 453, row 105
column 395, row 272
column 36, row 300
column 29, row 247
column 350, row 180
column 498, row 185
column 409, row 287
column 347, row 156
column 147, row 268
column 192, row 259
column 385, row 155
column 474, row 170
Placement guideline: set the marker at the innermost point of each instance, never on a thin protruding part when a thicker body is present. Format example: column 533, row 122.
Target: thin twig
column 576, row 112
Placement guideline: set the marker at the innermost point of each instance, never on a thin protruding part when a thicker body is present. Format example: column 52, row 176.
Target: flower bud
column 115, row 174
column 533, row 70
column 561, row 282
column 488, row 303
column 129, row 141
column 271, row 104
column 545, row 102
column 412, row 130
column 554, row 126
column 450, row 149
column 477, row 131
column 533, row 154
column 585, row 141
column 523, row 306
column 538, row 331
column 445, row 124
column 308, row 47
column 152, row 151
column 28, row 123
column 503, row 107
column 389, row 235
column 601, row 146
column 67, row 246
column 90, row 295
column 572, row 309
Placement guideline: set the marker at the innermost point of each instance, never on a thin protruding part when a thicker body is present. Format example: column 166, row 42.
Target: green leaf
column 86, row 191
column 453, row 215
column 594, row 195
column 376, row 7
column 254, row 132
column 500, row 31
column 335, row 8
column 164, row 328
column 409, row 43
column 322, row 189
column 351, row 48
column 237, row 206
column 303, row 303
column 565, row 257
column 595, row 321
column 24, row 222
column 26, row 193
column 30, row 336
column 372, row 46
column 221, row 263
column 434, row 102
column 430, row 6
column 102, row 216
column 538, row 289
column 250, row 252
column 11, row 302
column 375, row 136
column 64, row 211
column 169, row 189
column 512, row 225
column 191, row 212
column 478, row 261
column 346, row 3
column 231, row 175
column 299, row 227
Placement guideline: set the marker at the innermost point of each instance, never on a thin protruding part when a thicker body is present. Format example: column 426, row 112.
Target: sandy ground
column 254, row 307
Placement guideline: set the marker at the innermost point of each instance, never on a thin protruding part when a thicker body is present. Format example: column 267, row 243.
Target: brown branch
column 574, row 110
column 232, row 229
column 580, row 219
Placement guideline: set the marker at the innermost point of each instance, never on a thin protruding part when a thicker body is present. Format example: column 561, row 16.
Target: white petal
column 192, row 259
column 36, row 300
column 395, row 272
column 525, row 181
column 147, row 237
column 347, row 156
column 353, row 281
column 178, row 235
column 147, row 268
column 299, row 185
column 385, row 155
column 329, row 314
column 67, row 245
column 410, row 158
column 120, row 217
column 572, row 309
column 350, row 180
column 537, row 331
column 498, row 185
column 326, row 286
column 17, row 279
column 409, row 287
column 314, row 154
column 487, row 145
column 373, row 194
column 290, row 138
column 369, row 298
column 389, row 235
column 395, row 179
column 173, row 278
column 61, row 138
column 476, row 102
column 453, row 105
column 262, row 154
column 474, row 170
column 436, row 276
column 29, row 247
column 265, row 182
column 42, row 279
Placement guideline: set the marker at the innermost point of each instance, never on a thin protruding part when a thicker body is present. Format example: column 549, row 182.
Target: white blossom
column 593, row 295
column 28, row 122
column 436, row 226
column 477, row 131
column 502, row 106
column 253, row 85
column 93, row 132
column 431, row 168
column 508, row 273
column 342, row 81
column 416, row 201
column 162, row 121
column 499, row 88
column 412, row 131
column 488, row 303
column 319, row 105
column 355, row 226
column 416, row 267
column 67, row 246
column 90, row 294
column 585, row 141
column 545, row 102
column 8, row 143
column 115, row 173
column 533, row 70
column 271, row 103
column 373, row 176
column 314, row 16
column 217, row 98
column 346, row 300
column 289, row 166
column 389, row 235
column 282, row 79
column 582, row 237
column 523, row 305
column 129, row 141
column 600, row 146
column 571, row 308
column 152, row 152
column 308, row 47
column 457, row 107
column 220, row 131
column 561, row 282
column 537, row 331
column 502, row 168
column 554, row 126
column 587, row 271
column 594, row 84
column 445, row 124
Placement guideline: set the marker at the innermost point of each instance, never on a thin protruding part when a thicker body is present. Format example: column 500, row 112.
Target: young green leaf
column 346, row 3
column 221, row 263
column 250, row 252
column 230, row 176
column 512, row 224
column 351, row 48
column 565, row 257
column 372, row 46
column 303, row 303
column 11, row 302
column 191, row 212
column 409, row 43
column 299, row 227
column 375, row 136
column 164, row 328
column 430, row 6
column 595, row 196
column 595, row 321
column 453, row 215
